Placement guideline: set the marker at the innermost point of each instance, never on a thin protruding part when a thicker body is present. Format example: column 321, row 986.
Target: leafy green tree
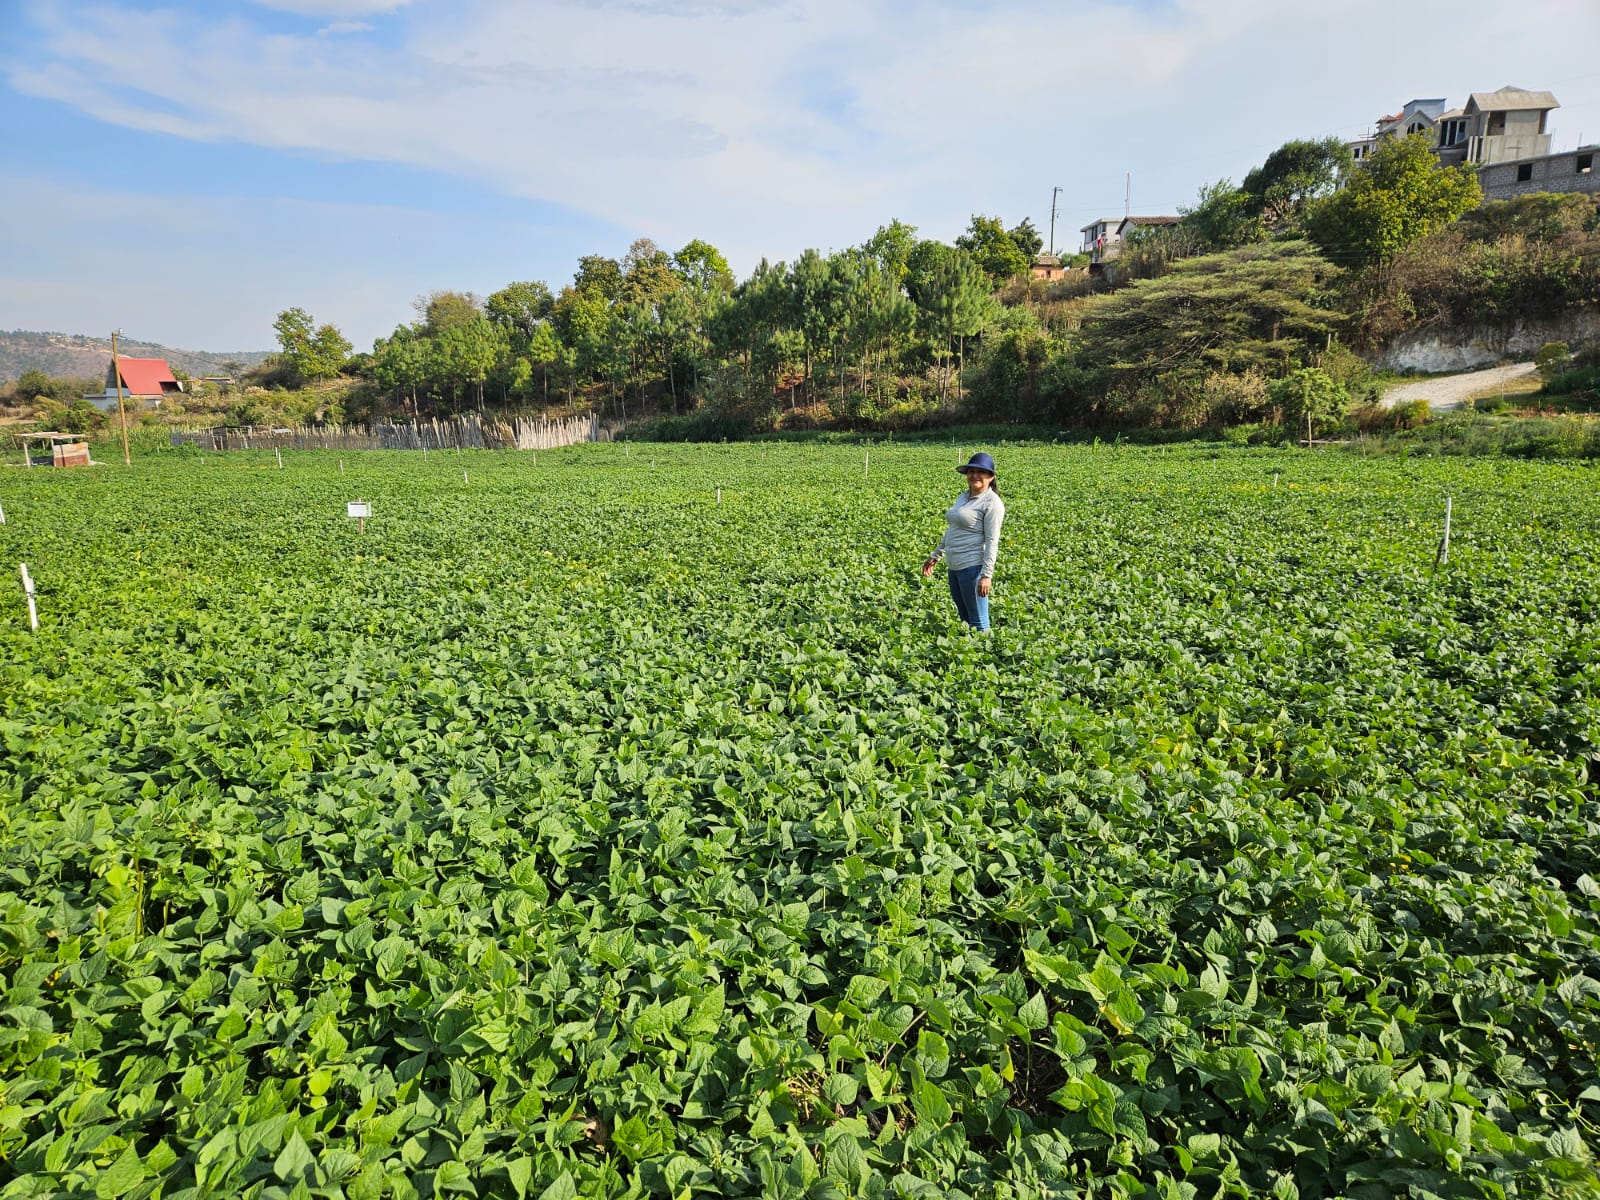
column 1397, row 195
column 1297, row 173
column 954, row 300
column 1262, row 306
column 544, row 351
column 810, row 298
column 647, row 274
column 31, row 384
column 1027, row 239
column 599, row 274
column 1222, row 217
column 993, row 249
column 701, row 265
column 892, row 246
column 467, row 353
column 708, row 284
column 873, row 310
column 399, row 363
column 1310, row 397
column 443, row 310
column 520, row 307
column 309, row 353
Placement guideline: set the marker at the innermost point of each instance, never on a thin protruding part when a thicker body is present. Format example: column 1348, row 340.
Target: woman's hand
column 927, row 567
column 983, row 586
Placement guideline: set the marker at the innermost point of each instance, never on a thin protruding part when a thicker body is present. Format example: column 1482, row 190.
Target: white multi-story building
column 1491, row 127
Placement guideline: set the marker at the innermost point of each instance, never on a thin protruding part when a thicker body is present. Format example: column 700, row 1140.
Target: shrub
column 1310, row 397
column 1373, row 417
column 1580, row 383
column 853, row 408
column 1552, row 359
column 1231, row 398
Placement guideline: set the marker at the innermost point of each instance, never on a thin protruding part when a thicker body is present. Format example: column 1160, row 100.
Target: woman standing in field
column 971, row 541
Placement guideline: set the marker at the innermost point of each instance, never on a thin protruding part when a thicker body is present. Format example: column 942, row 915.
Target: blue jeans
column 974, row 609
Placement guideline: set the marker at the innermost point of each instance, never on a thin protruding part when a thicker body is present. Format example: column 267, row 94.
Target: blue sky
column 186, row 169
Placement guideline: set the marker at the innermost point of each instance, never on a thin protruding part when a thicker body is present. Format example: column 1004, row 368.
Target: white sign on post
column 358, row 508
column 27, row 588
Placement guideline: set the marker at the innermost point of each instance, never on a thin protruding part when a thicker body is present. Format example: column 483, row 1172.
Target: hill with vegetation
column 80, row 356
column 1258, row 313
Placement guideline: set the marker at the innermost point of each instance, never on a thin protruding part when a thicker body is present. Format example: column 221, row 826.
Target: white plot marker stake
column 463, row 477
column 279, row 453
column 27, row 588
column 866, row 465
column 1443, row 557
column 719, row 495
column 341, row 466
column 2, row 514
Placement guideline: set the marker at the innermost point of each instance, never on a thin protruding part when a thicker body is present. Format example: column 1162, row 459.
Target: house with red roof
column 142, row 379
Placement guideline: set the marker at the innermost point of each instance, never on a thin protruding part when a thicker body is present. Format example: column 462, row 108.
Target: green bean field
column 633, row 820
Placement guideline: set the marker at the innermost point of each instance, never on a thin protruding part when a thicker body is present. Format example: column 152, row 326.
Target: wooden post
column 27, row 588
column 116, row 371
column 719, row 495
column 1443, row 557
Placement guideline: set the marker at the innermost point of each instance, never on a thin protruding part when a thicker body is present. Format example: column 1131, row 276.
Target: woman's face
column 978, row 482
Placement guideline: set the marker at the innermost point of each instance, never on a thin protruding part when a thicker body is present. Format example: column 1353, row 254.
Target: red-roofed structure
column 143, row 378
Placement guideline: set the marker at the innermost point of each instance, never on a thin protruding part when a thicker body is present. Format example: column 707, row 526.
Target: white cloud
column 342, row 27
column 335, row 8
column 685, row 118
column 769, row 125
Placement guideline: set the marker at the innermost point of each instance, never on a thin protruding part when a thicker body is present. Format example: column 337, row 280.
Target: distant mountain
column 77, row 356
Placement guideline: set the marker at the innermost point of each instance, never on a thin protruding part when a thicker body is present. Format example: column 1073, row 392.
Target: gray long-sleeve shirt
column 972, row 532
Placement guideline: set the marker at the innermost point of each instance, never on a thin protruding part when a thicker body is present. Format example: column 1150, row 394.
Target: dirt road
column 1453, row 391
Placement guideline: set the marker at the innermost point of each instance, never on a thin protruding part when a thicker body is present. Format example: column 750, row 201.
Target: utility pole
column 1053, row 194
column 116, row 371
column 1127, row 197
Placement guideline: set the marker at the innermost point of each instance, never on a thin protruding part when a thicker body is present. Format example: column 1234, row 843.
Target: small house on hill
column 142, row 379
column 1129, row 224
column 1047, row 267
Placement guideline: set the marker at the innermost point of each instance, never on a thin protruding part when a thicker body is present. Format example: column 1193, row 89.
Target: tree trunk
column 672, row 383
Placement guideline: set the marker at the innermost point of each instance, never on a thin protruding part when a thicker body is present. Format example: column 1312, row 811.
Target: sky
column 185, row 170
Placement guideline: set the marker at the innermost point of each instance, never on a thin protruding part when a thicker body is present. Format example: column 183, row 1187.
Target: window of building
column 1524, row 172
column 1585, row 164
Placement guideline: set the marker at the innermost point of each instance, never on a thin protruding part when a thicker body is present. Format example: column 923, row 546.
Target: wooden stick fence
column 470, row 432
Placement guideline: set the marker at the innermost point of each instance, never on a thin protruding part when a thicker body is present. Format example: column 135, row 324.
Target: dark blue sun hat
column 978, row 462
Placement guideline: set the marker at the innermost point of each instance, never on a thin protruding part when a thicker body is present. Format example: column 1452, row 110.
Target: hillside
column 76, row 355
